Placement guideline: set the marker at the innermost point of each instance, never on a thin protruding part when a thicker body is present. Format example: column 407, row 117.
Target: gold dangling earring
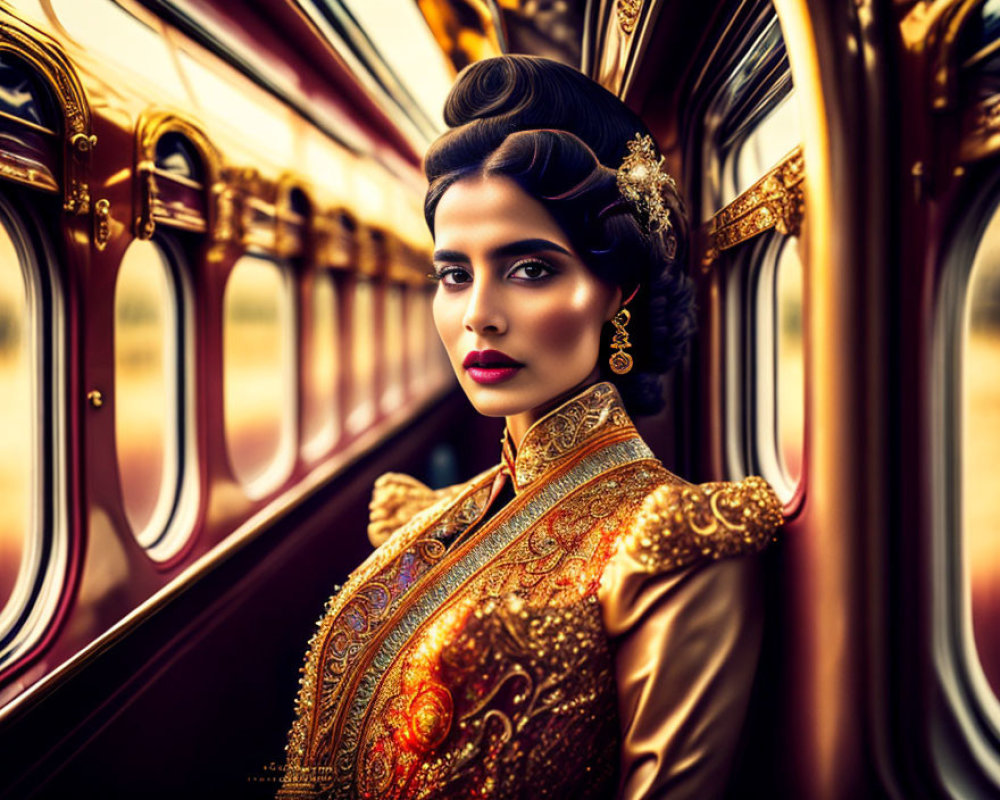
column 620, row 362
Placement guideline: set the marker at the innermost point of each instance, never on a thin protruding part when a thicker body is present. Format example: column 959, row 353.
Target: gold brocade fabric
column 580, row 642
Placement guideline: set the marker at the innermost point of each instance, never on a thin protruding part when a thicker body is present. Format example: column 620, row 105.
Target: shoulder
column 398, row 497
column 680, row 523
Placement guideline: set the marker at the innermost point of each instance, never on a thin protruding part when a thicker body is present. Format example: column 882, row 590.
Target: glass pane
column 147, row 402
column 363, row 356
column 323, row 377
column 791, row 365
column 23, row 95
column 17, row 423
column 980, row 415
column 395, row 348
column 258, row 371
column 176, row 154
column 772, row 139
column 417, row 323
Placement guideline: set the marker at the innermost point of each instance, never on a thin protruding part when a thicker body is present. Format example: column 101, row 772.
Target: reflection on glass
column 362, row 356
column 147, row 402
column 395, row 348
column 320, row 401
column 772, row 139
column 980, row 414
column 258, row 372
column 417, row 322
column 23, row 95
column 790, row 366
column 17, row 423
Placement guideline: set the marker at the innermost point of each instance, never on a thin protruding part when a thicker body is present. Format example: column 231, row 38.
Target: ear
column 615, row 304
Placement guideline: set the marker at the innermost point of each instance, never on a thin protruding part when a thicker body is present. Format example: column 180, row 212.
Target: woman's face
column 510, row 282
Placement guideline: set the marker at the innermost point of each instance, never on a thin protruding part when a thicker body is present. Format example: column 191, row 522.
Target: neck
column 518, row 424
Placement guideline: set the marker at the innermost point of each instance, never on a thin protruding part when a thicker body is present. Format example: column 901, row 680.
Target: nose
column 484, row 311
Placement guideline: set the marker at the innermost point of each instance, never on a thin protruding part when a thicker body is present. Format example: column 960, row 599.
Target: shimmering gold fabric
column 577, row 643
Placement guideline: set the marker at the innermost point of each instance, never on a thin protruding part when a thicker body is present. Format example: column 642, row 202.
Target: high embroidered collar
column 563, row 431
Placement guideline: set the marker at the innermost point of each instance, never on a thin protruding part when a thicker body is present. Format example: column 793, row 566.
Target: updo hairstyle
column 561, row 137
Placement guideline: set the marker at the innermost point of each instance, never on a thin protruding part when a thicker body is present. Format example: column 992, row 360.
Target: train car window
column 33, row 546
column 175, row 154
column 258, row 344
column 395, row 349
column 779, row 369
column 150, row 418
column 321, row 417
column 417, row 328
column 108, row 30
column 22, row 94
column 362, row 408
column 753, row 129
column 774, row 137
column 979, row 442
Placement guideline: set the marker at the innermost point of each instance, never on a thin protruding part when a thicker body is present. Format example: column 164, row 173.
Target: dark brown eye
column 533, row 269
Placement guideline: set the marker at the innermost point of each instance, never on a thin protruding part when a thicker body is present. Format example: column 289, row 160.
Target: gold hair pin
column 641, row 180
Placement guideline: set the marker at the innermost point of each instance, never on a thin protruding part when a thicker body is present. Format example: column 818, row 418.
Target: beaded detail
column 680, row 524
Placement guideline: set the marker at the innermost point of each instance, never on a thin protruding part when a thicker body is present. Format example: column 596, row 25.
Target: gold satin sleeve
column 686, row 624
column 396, row 498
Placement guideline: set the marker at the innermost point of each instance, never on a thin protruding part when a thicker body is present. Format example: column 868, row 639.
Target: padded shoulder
column 396, row 498
column 680, row 524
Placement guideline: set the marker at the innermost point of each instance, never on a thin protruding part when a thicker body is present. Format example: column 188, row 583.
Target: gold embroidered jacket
column 582, row 641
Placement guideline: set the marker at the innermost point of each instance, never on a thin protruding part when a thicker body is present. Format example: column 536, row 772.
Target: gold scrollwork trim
column 102, row 223
column 56, row 69
column 628, row 15
column 151, row 126
column 775, row 201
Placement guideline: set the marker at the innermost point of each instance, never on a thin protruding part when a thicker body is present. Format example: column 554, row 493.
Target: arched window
column 979, row 442
column 395, row 348
column 153, row 418
column 258, row 340
column 362, row 411
column 321, row 418
column 33, row 540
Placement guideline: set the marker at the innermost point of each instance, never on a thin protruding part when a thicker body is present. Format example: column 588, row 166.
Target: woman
column 558, row 626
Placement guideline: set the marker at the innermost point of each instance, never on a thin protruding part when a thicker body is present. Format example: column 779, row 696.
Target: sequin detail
column 680, row 524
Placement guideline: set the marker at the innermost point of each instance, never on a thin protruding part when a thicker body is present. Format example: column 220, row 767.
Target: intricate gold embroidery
column 562, row 431
column 678, row 525
column 483, row 669
column 396, row 498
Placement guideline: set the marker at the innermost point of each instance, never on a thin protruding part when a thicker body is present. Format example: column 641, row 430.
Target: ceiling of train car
column 405, row 53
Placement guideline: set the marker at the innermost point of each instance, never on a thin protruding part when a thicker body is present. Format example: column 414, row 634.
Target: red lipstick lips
column 490, row 366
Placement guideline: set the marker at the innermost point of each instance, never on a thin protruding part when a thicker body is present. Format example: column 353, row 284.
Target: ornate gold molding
column 102, row 223
column 775, row 201
column 628, row 15
column 47, row 58
column 151, row 126
column 287, row 242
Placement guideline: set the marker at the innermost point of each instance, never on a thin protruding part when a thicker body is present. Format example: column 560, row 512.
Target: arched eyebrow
column 519, row 248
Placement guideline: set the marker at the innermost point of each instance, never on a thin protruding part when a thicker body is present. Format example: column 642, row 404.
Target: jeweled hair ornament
column 641, row 179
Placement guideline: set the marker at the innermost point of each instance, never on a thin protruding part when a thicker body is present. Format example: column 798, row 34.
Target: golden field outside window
column 18, row 434
column 979, row 412
column 363, row 366
column 258, row 343
column 321, row 419
column 148, row 402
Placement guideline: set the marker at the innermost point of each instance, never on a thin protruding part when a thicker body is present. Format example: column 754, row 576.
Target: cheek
column 565, row 330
